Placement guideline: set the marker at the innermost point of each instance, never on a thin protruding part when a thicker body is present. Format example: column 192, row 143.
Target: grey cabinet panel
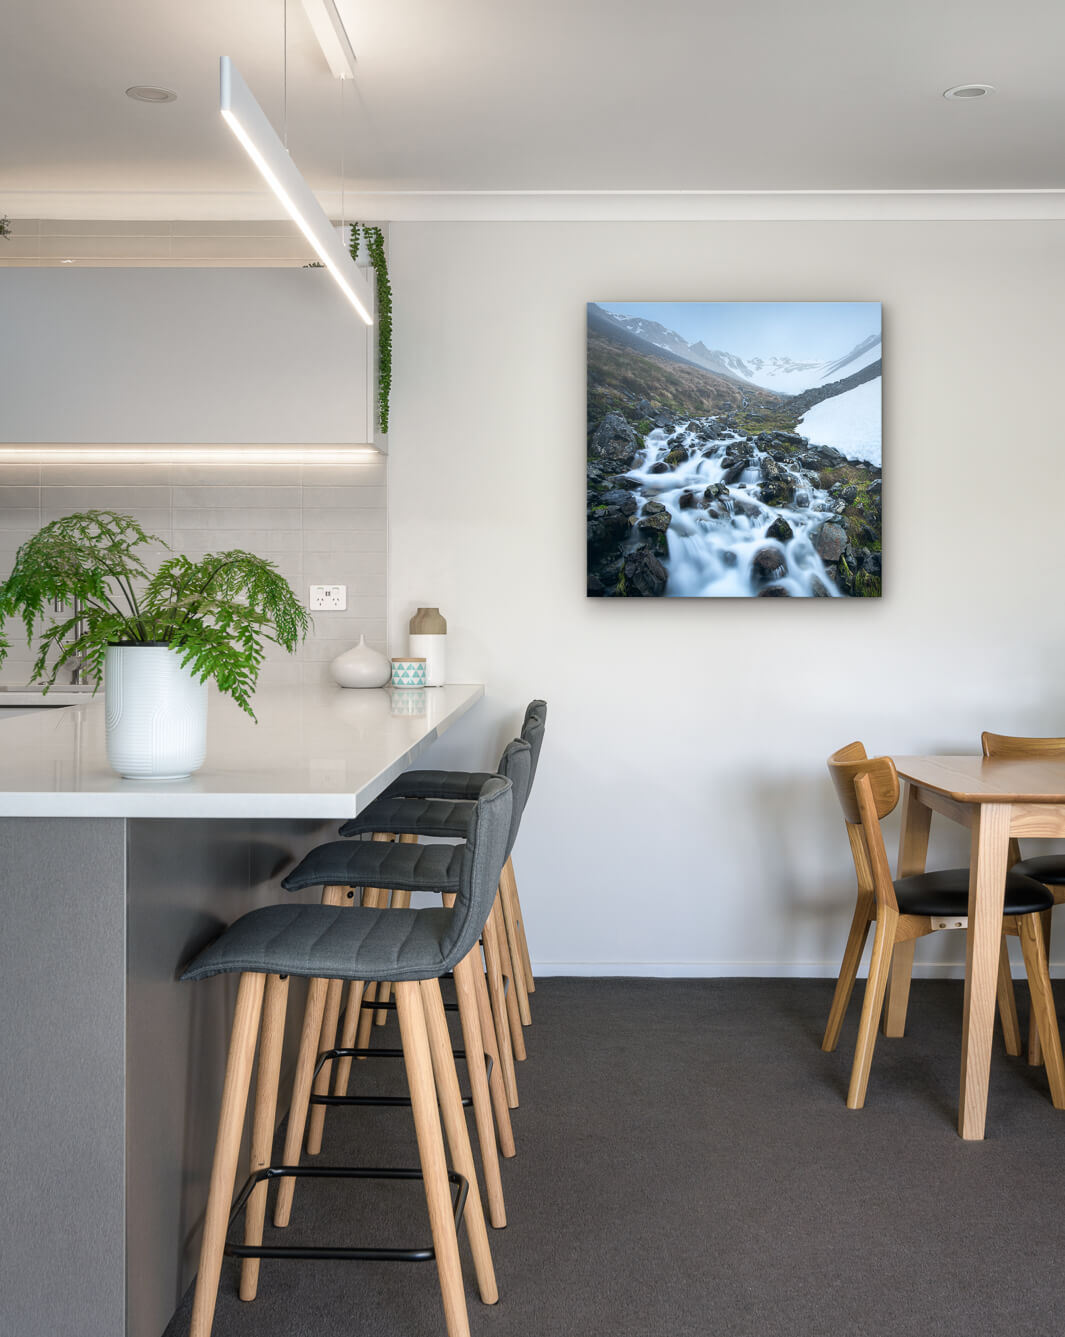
column 165, row 356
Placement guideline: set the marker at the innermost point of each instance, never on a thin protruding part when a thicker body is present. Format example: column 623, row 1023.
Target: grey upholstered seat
column 436, row 815
column 335, row 942
column 374, row 863
column 414, row 867
column 459, row 784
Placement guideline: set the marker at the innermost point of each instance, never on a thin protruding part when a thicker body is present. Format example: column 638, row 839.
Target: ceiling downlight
column 968, row 92
column 150, row 93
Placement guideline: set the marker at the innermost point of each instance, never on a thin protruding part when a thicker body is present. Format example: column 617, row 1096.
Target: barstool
column 410, row 948
column 398, row 810
column 465, row 785
column 400, row 867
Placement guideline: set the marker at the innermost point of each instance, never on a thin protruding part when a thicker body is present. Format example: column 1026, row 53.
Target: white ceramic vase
column 361, row 667
column 156, row 713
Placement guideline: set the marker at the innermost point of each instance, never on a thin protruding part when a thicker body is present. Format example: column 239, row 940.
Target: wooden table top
column 981, row 780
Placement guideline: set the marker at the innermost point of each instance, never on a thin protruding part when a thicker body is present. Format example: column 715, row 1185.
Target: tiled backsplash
column 321, row 524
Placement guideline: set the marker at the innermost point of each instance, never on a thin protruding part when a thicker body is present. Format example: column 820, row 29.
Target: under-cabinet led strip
column 187, row 454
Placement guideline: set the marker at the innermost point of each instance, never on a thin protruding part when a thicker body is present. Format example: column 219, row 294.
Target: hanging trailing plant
column 374, row 240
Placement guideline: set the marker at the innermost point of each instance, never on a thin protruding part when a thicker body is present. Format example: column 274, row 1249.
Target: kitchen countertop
column 61, row 695
column 316, row 752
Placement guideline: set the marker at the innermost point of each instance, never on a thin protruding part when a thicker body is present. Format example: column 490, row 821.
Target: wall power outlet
column 329, row 598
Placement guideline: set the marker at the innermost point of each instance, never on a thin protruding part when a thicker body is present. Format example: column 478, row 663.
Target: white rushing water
column 712, row 545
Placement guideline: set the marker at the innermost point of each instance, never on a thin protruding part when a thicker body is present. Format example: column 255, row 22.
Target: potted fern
column 154, row 639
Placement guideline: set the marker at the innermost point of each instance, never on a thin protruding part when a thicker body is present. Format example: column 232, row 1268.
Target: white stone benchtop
column 316, row 752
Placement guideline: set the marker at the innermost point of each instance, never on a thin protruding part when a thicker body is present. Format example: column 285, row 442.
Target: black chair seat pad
column 1048, row 868
column 945, row 894
column 445, row 818
column 330, row 942
column 378, row 863
column 438, row 784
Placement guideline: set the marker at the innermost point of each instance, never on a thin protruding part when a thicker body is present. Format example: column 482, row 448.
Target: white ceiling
column 557, row 95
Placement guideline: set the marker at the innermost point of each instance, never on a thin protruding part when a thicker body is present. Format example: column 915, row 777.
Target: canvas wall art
column 734, row 450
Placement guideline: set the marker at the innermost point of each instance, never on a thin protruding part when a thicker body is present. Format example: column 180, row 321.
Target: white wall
column 682, row 821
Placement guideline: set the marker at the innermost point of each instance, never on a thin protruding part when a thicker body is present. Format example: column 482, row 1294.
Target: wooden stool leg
column 519, row 920
column 898, row 992
column 508, row 915
column 482, row 1102
column 1007, row 1002
column 1030, row 928
column 301, row 1091
column 400, row 901
column 1035, row 1049
column 872, row 1004
column 494, row 974
column 376, row 898
column 262, row 1133
column 418, row 1063
column 848, row 971
column 500, row 1106
column 227, row 1149
column 347, row 1037
column 328, row 1036
column 517, row 1036
column 458, row 1136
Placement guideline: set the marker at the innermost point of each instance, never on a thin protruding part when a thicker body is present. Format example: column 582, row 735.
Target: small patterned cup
column 408, row 672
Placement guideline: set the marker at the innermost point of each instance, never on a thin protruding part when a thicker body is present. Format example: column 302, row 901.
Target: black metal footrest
column 424, row 1255
column 380, row 1101
column 390, row 1005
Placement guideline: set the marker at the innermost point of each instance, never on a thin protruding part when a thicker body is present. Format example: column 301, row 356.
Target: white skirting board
column 939, row 970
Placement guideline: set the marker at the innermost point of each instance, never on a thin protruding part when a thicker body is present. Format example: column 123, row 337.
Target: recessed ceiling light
column 969, row 90
column 149, row 93
column 66, row 262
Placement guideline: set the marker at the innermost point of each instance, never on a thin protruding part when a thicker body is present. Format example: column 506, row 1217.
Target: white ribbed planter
column 156, row 713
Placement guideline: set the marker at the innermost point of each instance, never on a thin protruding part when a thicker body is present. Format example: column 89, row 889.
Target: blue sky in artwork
column 805, row 331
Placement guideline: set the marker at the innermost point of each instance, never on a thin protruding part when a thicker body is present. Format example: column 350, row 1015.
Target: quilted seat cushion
column 444, row 818
column 1048, row 868
column 945, row 894
column 330, row 941
column 379, row 863
column 455, row 785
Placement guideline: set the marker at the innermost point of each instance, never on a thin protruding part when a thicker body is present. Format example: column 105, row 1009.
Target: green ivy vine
column 375, row 245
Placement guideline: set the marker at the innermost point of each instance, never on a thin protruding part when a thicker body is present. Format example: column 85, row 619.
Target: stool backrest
column 867, row 789
column 515, row 765
column 532, row 730
column 483, row 857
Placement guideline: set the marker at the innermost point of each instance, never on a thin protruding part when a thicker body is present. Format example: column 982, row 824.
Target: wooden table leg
column 987, row 887
column 913, row 852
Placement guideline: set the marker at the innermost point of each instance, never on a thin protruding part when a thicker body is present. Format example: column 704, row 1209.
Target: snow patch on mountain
column 850, row 422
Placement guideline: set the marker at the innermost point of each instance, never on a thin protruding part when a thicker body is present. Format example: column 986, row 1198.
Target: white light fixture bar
column 332, row 37
column 249, row 123
column 311, row 455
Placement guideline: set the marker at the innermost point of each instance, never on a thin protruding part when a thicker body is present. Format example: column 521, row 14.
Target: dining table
column 997, row 800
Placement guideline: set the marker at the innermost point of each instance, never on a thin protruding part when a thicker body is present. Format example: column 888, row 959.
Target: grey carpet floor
column 686, row 1166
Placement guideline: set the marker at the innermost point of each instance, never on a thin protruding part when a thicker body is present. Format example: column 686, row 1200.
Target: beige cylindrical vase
column 428, row 641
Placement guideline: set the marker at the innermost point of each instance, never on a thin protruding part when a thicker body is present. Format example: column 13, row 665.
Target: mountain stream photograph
column 734, row 450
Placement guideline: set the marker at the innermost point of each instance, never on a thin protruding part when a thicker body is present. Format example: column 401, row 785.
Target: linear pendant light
column 249, row 123
column 332, row 37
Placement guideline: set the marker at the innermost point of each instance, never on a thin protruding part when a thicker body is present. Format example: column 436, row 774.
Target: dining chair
column 1049, row 869
column 908, row 908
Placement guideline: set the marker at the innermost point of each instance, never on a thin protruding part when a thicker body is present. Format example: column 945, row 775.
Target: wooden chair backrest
column 867, row 789
column 1003, row 747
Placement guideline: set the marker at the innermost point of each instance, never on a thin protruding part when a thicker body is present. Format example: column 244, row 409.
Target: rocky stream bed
column 699, row 507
